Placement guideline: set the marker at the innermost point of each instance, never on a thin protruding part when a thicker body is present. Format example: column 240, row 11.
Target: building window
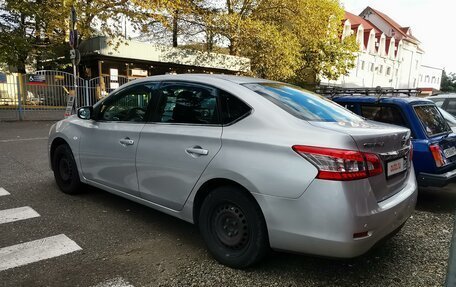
column 380, row 69
column 362, row 65
column 427, row 79
column 371, row 67
column 433, row 80
column 388, row 71
column 421, row 78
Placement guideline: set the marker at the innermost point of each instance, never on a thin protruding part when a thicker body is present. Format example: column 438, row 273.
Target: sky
column 431, row 21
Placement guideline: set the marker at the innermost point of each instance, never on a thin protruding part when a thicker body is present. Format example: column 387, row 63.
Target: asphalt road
column 125, row 244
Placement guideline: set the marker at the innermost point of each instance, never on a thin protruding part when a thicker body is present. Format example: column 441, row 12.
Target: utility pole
column 75, row 58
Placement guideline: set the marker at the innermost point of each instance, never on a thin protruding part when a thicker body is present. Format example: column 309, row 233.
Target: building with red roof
column 389, row 54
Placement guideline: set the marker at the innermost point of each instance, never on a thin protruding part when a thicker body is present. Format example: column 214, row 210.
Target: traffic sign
column 74, row 39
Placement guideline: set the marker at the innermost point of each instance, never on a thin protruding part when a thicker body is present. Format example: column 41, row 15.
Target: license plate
column 396, row 166
column 449, row 152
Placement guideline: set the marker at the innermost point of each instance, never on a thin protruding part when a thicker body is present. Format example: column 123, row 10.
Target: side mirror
column 85, row 113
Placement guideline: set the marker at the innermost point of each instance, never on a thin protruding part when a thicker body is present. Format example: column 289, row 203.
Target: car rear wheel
column 65, row 170
column 233, row 227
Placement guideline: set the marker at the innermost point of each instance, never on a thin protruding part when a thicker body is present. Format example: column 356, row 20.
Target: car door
column 108, row 147
column 178, row 145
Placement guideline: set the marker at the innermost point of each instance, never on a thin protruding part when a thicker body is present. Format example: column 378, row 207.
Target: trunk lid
column 391, row 143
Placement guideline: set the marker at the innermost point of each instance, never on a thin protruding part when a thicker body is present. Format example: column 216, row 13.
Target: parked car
column 451, row 120
column 446, row 102
column 255, row 164
column 433, row 141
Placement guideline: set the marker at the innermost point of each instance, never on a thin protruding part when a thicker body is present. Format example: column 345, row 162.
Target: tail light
column 437, row 154
column 339, row 164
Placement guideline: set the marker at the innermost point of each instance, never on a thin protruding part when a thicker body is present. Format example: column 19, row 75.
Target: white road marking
column 115, row 282
column 3, row 192
column 20, row 140
column 33, row 251
column 16, row 214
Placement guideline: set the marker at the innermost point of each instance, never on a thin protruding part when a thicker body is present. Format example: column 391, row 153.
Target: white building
column 389, row 55
column 430, row 79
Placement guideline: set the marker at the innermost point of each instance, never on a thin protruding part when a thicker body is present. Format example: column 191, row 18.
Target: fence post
column 19, row 98
column 86, row 83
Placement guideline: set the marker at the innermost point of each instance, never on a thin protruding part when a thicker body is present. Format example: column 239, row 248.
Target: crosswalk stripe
column 3, row 192
column 16, row 214
column 37, row 250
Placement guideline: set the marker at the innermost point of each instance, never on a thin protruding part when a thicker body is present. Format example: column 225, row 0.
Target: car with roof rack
column 434, row 143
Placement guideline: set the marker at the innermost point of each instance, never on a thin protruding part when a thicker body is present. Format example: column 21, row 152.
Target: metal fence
column 44, row 94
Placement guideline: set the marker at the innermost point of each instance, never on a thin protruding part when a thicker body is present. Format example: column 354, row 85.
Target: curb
column 451, row 275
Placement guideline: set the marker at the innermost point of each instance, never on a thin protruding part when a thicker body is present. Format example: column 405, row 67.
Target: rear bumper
column 437, row 180
column 325, row 218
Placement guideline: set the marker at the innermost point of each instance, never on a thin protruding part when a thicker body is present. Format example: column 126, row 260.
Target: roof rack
column 332, row 91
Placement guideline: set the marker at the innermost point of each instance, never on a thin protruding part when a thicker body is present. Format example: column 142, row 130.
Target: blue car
column 434, row 143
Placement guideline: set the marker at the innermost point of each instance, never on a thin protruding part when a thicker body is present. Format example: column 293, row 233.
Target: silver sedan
column 255, row 164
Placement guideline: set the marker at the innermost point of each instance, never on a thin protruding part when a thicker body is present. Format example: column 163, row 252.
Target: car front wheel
column 65, row 170
column 233, row 227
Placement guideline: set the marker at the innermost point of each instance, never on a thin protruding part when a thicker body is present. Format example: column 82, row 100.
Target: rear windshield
column 432, row 120
column 304, row 104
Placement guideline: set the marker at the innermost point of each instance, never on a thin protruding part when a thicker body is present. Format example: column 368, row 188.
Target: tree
column 317, row 26
column 448, row 82
column 29, row 31
column 285, row 39
column 35, row 31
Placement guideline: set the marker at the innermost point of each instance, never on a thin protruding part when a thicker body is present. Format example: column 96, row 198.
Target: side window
column 129, row 105
column 233, row 108
column 385, row 114
column 187, row 104
column 451, row 108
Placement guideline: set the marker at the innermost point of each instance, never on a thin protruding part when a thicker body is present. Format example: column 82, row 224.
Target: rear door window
column 431, row 119
column 384, row 114
column 187, row 104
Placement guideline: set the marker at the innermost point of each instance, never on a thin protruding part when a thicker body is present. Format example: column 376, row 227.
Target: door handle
column 197, row 150
column 127, row 141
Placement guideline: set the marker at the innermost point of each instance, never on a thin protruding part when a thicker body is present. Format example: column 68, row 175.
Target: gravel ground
column 416, row 256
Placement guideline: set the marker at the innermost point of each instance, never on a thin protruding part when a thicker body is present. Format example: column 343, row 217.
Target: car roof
column 443, row 96
column 383, row 99
column 205, row 78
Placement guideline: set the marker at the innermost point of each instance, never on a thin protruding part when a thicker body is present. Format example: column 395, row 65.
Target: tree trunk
column 22, row 57
column 233, row 47
column 209, row 41
column 175, row 27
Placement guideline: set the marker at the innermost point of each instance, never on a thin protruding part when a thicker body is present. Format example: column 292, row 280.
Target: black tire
column 65, row 170
column 233, row 227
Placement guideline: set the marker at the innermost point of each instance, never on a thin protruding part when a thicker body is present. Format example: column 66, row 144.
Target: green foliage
column 448, row 82
column 296, row 40
column 36, row 31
